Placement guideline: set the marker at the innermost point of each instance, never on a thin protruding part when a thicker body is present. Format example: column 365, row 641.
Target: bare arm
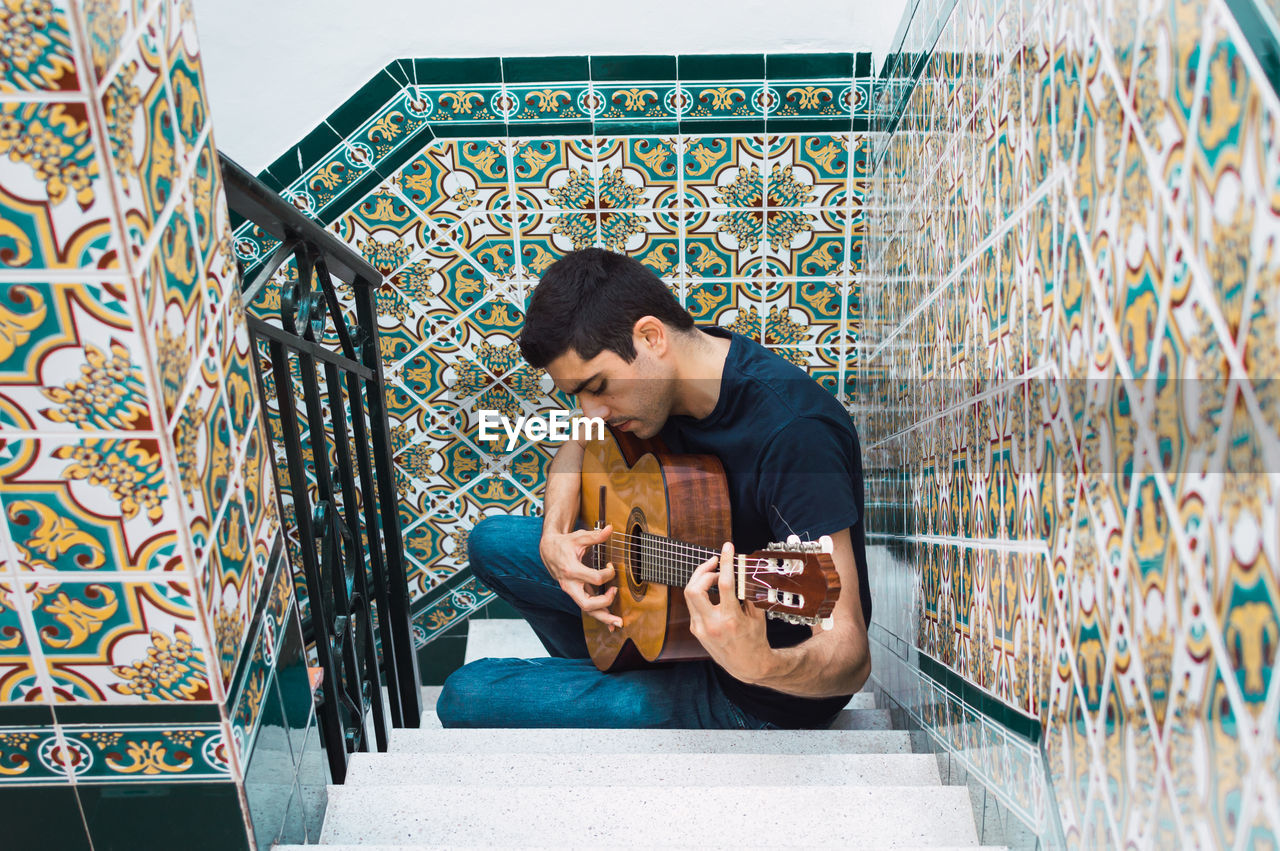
column 562, row 548
column 560, row 499
column 830, row 663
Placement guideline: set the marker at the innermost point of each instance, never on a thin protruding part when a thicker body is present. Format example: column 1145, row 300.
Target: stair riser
column 850, row 816
column 847, row 719
column 645, row 770
column 650, row 741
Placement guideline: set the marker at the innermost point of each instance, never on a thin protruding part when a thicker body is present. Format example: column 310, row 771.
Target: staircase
column 857, row 785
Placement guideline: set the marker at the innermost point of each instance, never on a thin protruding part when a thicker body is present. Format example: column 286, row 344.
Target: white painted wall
column 275, row 68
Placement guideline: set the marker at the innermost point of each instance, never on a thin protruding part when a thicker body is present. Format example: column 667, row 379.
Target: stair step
column 588, row 769
column 502, row 638
column 848, row 816
column 342, row 846
column 864, row 700
column 511, row 740
column 848, row 719
column 564, row 847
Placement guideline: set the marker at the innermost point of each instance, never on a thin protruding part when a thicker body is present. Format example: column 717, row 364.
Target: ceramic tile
column 75, row 360
column 18, row 680
column 142, row 136
column 39, row 55
column 120, row 642
column 70, row 506
column 140, row 754
column 54, row 198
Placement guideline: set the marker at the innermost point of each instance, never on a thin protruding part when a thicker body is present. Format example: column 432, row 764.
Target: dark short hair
column 589, row 301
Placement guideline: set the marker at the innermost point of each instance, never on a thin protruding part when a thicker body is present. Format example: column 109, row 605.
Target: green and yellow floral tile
column 127, row 642
column 138, row 753
column 812, row 98
column 143, row 137
column 638, row 172
column 231, row 586
column 747, row 100
column 625, row 102
column 551, row 102
column 56, row 201
column 554, row 174
column 455, row 178
column 725, row 171
column 18, row 681
column 204, row 445
column 809, row 170
column 237, row 372
column 190, row 109
column 41, row 53
column 109, row 523
column 76, row 361
column 173, row 287
column 466, row 104
column 726, row 242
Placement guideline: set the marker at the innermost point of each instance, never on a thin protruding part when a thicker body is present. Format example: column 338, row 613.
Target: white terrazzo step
column 502, row 638
column 564, row 847
column 847, row 816
column 584, row 769
column 862, row 719
column 848, row 719
column 488, row 741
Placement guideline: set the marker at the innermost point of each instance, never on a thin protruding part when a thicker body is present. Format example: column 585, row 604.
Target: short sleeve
column 805, row 480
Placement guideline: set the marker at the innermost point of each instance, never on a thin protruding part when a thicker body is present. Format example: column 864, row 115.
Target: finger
column 581, row 573
column 607, row 618
column 593, row 536
column 599, row 601
column 727, row 591
column 703, row 578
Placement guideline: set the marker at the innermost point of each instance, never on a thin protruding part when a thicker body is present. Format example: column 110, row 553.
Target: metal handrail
column 359, row 615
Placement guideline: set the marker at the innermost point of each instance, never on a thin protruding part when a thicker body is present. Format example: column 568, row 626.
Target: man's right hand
column 562, row 554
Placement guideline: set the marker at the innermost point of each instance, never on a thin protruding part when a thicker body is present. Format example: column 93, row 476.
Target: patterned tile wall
column 742, row 191
column 138, row 517
column 1069, row 352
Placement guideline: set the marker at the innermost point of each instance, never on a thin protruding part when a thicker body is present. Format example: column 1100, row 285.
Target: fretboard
column 654, row 558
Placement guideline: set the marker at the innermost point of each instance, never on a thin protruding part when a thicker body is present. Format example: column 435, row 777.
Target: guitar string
column 662, row 561
column 667, row 548
column 659, row 548
column 683, row 580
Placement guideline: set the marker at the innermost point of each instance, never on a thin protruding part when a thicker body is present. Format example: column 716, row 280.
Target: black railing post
column 351, row 549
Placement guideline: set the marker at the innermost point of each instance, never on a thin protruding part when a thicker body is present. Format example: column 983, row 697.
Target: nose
column 593, row 408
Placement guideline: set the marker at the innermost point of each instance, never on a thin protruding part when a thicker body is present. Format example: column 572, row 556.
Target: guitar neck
column 654, row 558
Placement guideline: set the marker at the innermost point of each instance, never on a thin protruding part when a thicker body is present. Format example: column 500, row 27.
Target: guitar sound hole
column 635, row 528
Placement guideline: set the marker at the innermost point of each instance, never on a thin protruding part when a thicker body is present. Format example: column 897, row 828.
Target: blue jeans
column 567, row 690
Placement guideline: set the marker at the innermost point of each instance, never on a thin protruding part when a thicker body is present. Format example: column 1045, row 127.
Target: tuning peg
column 827, row 623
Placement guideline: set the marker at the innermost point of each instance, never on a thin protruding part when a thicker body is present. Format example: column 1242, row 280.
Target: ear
column 651, row 334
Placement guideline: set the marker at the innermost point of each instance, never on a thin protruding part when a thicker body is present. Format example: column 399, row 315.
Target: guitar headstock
column 794, row 581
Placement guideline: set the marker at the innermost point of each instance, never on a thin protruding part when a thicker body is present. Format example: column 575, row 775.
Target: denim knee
column 485, row 543
column 464, row 692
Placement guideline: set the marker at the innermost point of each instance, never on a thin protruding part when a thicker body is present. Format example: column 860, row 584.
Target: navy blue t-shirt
column 793, row 464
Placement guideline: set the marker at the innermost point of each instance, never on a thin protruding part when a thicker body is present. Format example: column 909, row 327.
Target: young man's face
column 632, row 397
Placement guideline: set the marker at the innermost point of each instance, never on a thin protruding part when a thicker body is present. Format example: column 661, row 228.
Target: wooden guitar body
column 639, row 488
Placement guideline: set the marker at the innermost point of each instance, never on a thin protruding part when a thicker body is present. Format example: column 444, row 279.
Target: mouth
column 621, row 425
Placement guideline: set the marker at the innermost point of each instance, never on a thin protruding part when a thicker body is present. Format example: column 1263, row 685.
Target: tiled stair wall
column 1068, row 388
column 153, row 689
column 738, row 179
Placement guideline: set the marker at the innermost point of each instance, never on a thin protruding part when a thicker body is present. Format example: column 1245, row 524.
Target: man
column 609, row 332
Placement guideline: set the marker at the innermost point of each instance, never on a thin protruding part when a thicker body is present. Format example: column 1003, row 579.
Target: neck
column 700, row 367
column 653, row 558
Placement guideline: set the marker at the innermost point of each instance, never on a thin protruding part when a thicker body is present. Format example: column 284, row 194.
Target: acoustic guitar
column 669, row 514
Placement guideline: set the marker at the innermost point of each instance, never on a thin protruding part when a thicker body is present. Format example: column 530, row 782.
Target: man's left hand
column 731, row 631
